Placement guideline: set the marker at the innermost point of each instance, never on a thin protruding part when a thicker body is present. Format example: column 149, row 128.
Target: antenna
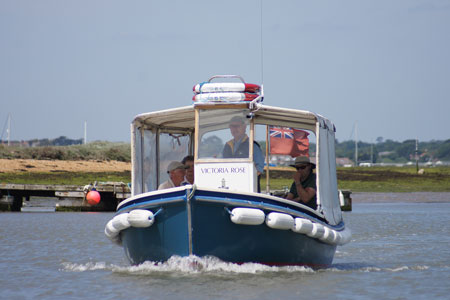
column 261, row 38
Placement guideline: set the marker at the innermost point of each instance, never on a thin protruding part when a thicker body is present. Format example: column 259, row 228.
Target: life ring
column 224, row 97
column 218, row 87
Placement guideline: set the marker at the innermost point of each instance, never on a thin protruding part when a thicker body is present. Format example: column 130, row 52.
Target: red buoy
column 93, row 197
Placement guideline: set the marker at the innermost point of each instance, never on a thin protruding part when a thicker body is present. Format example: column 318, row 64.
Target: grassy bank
column 92, row 151
column 375, row 179
column 382, row 179
column 394, row 179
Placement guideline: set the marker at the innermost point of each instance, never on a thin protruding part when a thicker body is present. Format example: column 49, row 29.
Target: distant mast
column 85, row 133
column 356, row 144
column 8, row 130
column 417, row 155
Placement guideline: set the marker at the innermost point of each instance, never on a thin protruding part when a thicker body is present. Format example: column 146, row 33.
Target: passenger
column 188, row 161
column 238, row 146
column 176, row 171
column 303, row 189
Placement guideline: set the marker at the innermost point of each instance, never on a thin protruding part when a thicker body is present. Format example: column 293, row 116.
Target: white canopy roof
column 182, row 118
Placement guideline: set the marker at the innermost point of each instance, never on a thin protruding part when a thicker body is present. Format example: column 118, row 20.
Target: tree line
column 390, row 151
column 383, row 151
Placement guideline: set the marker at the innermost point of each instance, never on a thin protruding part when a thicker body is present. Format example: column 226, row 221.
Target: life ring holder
column 254, row 102
column 226, row 76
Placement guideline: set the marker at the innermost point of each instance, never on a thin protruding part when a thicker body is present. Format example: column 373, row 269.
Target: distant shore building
column 344, row 162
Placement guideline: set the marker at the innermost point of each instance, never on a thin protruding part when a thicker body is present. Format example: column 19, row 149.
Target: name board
column 223, row 170
column 230, row 176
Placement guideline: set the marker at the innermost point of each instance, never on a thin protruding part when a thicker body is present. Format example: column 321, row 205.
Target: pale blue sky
column 383, row 64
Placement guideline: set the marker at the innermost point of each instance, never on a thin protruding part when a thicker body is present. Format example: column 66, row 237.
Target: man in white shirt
column 176, row 171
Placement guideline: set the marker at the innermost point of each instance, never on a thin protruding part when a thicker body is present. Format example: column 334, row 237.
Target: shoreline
column 399, row 197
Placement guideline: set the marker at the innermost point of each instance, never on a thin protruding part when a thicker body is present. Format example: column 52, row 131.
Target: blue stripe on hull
column 213, row 233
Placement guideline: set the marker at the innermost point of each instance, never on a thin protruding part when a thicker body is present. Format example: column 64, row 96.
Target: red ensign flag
column 289, row 141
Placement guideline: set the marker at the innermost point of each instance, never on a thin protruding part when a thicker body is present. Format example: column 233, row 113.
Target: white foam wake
column 184, row 265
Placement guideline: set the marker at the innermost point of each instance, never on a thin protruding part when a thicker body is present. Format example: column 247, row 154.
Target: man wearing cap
column 303, row 189
column 176, row 171
column 238, row 146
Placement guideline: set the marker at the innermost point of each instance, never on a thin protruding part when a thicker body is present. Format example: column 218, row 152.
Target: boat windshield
column 223, row 134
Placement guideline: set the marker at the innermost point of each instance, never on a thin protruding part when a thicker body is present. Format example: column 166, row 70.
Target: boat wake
column 344, row 267
column 212, row 265
column 185, row 265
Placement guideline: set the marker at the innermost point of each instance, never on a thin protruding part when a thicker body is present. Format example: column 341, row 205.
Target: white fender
column 317, row 231
column 302, row 226
column 110, row 231
column 279, row 221
column 338, row 237
column 329, row 236
column 140, row 218
column 120, row 222
column 345, row 236
column 247, row 216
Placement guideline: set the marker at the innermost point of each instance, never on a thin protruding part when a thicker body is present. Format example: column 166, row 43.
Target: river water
column 400, row 249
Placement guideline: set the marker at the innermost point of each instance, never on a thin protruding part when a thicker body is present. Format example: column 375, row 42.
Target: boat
column 223, row 213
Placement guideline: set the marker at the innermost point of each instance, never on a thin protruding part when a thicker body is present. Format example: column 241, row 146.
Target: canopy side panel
column 337, row 213
column 327, row 183
column 136, row 161
column 149, row 159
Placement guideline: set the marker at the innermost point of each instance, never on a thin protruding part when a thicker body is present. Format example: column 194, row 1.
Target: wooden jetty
column 73, row 197
column 68, row 197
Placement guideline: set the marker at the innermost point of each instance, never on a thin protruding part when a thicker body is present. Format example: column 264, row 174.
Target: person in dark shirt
column 303, row 189
column 238, row 146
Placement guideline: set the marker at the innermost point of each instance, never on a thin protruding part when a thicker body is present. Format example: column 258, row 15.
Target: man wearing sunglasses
column 303, row 189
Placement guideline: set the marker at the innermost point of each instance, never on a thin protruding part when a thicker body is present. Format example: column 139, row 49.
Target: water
column 399, row 250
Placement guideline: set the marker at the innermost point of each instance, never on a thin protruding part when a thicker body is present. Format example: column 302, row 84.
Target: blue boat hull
column 199, row 224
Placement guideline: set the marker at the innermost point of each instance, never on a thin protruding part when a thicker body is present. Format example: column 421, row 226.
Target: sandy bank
column 32, row 165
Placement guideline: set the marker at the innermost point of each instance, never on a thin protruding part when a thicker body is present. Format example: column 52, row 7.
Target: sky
column 375, row 68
